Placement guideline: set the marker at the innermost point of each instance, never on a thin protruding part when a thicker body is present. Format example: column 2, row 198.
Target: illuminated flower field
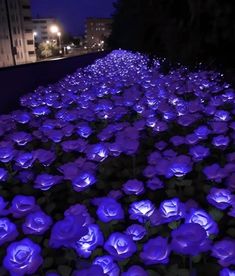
column 119, row 169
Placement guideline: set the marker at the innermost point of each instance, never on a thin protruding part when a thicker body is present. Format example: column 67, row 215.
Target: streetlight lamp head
column 54, row 29
column 35, row 33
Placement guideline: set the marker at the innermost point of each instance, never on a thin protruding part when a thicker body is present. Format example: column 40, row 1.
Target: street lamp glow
column 54, row 29
column 59, row 33
column 35, row 33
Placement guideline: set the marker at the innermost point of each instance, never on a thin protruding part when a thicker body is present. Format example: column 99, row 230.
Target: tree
column 187, row 31
column 48, row 49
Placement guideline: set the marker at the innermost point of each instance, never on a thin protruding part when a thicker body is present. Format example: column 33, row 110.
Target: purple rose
column 156, row 251
column 136, row 232
column 224, row 250
column 109, row 209
column 135, row 270
column 74, row 145
column 69, row 170
column 177, row 140
column 202, row 132
column 65, row 232
column 83, row 181
column 36, row 223
column 222, row 115
column 199, row 153
column 227, row 272
column 141, row 210
column 7, row 153
column 220, row 141
column 56, row 135
column 204, row 219
column 219, row 127
column 40, row 111
column 179, row 166
column 3, row 205
column 79, row 210
column 109, row 267
column 46, row 181
column 155, row 184
column 8, row 231
column 21, row 117
column 120, row 246
column 45, row 157
column 133, row 187
column 190, row 239
column 23, row 257
column 22, row 205
column 25, row 176
column 171, row 210
column 88, row 243
column 97, row 152
column 21, row 138
column 214, row 173
column 191, row 139
column 160, row 145
column 154, row 157
column 220, row 198
column 24, row 159
column 84, row 130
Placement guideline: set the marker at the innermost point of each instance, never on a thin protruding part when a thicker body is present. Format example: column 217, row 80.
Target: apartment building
column 16, row 33
column 97, row 31
column 42, row 29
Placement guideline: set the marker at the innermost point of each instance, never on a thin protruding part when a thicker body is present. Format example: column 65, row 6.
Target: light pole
column 34, row 44
column 55, row 30
column 59, row 37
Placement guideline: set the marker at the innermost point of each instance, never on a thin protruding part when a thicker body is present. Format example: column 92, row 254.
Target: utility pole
column 13, row 49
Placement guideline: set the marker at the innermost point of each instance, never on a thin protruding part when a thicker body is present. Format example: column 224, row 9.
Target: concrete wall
column 22, row 79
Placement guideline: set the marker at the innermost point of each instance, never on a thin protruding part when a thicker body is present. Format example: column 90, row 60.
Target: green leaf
column 196, row 259
column 64, row 270
column 216, row 214
column 231, row 232
column 184, row 183
column 183, row 272
column 174, row 224
column 152, row 273
column 171, row 192
column 189, row 191
column 48, row 262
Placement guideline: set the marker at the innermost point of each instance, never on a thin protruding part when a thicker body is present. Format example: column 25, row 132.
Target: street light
column 59, row 37
column 54, row 29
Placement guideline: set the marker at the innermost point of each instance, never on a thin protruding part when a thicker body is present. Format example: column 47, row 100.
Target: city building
column 16, row 33
column 46, row 29
column 97, row 32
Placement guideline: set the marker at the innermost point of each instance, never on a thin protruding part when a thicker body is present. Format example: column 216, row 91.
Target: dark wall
column 22, row 79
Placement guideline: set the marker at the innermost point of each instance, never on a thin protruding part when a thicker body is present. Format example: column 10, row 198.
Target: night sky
column 72, row 13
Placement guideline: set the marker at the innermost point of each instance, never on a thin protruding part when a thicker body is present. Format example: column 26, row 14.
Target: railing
column 21, row 79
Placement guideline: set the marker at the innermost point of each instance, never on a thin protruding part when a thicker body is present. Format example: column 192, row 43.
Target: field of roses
column 119, row 169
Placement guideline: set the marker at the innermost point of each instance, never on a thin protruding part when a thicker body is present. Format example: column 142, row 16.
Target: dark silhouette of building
column 97, row 32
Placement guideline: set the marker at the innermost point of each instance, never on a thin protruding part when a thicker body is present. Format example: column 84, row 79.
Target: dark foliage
column 187, row 31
